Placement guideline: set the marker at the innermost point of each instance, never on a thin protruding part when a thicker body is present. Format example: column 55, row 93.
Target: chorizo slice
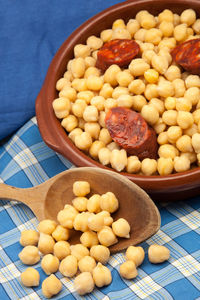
column 118, row 51
column 128, row 129
column 187, row 55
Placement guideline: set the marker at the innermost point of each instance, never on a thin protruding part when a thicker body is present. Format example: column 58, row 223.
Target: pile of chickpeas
column 91, row 216
column 167, row 97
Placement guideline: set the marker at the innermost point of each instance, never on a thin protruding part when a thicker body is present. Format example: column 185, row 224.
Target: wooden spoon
column 48, row 198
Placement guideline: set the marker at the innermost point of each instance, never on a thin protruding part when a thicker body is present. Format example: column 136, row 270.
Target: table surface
column 26, row 161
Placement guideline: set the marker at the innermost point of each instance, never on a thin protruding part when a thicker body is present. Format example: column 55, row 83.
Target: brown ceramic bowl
column 171, row 187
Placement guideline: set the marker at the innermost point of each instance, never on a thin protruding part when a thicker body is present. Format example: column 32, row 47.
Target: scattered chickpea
column 61, row 249
column 80, row 203
column 60, row 233
column 46, row 243
column 79, row 251
column 84, row 283
column 51, row 286
column 47, row 226
column 69, row 266
column 81, row 188
column 109, row 202
column 66, row 216
column 29, row 255
column 49, row 264
column 93, row 203
column 30, row 277
column 29, row 237
column 89, row 239
column 121, row 228
column 128, row 270
column 158, row 254
column 136, row 254
column 100, row 253
column 107, row 237
column 149, row 166
column 108, row 220
column 81, row 221
column 101, row 275
column 87, row 264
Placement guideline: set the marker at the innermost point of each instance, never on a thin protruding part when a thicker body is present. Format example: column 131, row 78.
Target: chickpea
column 174, row 133
column 162, row 138
column 167, row 28
column 196, row 116
column 106, row 236
column 113, row 146
column 61, row 107
column 60, row 233
column 181, row 164
column 158, row 254
column 160, row 126
column 135, row 254
column 132, row 26
column 128, row 270
column 108, row 220
column 96, row 221
column 118, row 159
column 191, row 130
column 68, row 93
column 184, row 143
column 89, row 239
column 75, row 132
column 188, row 16
column 141, row 14
column 159, row 105
column 166, row 15
column 167, row 151
column 79, row 251
column 150, row 114
column 30, row 277
column 90, row 114
column 80, row 203
column 149, row 166
column 29, row 237
column 185, row 119
column 78, row 67
column 139, row 36
column 93, row 129
column 146, row 46
column 121, row 33
column 109, row 202
column 196, row 26
column 101, row 275
column 102, row 116
column 192, row 81
column 165, row 89
column 121, row 228
column 49, row 264
column 118, row 91
column 138, row 102
column 124, row 78
column 183, row 104
column 190, row 155
column 125, row 101
column 84, row 283
column 81, row 50
column 159, row 63
column 167, row 42
column 151, row 76
column 104, row 136
column 147, row 56
column 170, row 103
column 29, row 255
column 51, row 286
column 66, row 216
column 98, row 101
column 170, row 117
column 193, row 94
column 137, row 86
column 94, row 43
column 138, row 66
column 61, row 249
column 46, row 243
column 87, row 264
column 69, row 123
column 133, row 164
column 95, row 148
column 110, row 75
column 172, row 73
column 110, row 103
column 100, row 253
column 180, row 32
column 106, row 35
column 78, row 108
column 92, row 71
column 81, row 188
column 106, row 91
column 93, row 204
column 165, row 166
column 196, row 142
column 61, row 83
column 81, row 125
column 81, row 221
column 176, row 19
column 69, row 266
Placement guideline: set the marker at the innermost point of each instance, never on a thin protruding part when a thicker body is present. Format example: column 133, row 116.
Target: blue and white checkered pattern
column 26, row 161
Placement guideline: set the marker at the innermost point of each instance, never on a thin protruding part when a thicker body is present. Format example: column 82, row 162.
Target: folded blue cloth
column 31, row 33
column 26, row 161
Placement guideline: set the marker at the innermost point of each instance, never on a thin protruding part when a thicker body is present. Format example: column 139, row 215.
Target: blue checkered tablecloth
column 26, row 161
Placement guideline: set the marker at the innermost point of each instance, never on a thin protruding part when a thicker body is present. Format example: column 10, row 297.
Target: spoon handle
column 33, row 197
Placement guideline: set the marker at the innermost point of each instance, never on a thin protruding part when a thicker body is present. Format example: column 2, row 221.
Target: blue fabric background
column 30, row 34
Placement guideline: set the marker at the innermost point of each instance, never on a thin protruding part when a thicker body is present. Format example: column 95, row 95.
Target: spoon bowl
column 48, row 198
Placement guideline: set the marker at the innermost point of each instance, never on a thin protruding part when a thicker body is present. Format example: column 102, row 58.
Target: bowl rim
column 57, row 138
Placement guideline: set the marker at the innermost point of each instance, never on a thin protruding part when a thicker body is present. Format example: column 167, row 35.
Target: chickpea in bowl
column 152, row 85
